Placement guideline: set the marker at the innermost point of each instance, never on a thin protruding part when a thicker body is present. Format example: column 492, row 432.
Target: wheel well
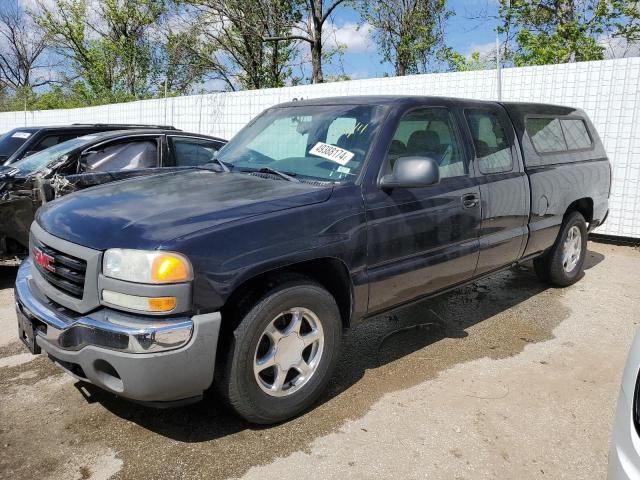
column 331, row 273
column 11, row 248
column 584, row 206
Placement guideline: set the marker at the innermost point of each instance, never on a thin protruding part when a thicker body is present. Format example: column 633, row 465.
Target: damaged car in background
column 84, row 162
column 21, row 142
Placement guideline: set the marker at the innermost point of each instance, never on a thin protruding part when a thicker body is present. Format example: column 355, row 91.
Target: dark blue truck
column 241, row 275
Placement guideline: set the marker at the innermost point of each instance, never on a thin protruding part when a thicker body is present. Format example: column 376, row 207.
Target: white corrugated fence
column 609, row 91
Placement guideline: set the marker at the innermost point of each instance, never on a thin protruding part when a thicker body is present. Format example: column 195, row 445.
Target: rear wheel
column 282, row 353
column 563, row 264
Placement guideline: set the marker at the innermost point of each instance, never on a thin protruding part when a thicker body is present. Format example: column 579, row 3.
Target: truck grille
column 63, row 271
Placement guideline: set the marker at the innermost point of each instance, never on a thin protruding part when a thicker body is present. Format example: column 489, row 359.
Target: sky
column 464, row 33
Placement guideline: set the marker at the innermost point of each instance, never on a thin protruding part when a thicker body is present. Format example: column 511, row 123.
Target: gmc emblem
column 42, row 259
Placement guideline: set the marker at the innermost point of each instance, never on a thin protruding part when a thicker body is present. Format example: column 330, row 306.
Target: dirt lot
column 503, row 378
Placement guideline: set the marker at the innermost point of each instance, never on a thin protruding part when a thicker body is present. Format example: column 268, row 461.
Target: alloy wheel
column 288, row 352
column 572, row 249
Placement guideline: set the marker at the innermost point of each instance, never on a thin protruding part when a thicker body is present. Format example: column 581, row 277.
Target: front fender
column 227, row 257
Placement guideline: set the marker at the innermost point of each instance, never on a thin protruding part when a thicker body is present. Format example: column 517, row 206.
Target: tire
column 258, row 396
column 554, row 266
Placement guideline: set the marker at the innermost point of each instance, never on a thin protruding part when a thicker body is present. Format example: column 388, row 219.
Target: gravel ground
column 503, row 378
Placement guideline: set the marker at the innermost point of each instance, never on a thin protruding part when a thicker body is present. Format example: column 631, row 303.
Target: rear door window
column 128, row 155
column 490, row 141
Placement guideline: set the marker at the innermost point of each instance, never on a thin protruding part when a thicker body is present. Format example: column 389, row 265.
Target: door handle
column 470, row 200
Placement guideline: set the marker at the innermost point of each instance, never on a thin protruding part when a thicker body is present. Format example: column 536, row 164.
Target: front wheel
column 283, row 352
column 563, row 264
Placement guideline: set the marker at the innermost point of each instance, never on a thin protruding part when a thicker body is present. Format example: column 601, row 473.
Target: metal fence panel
column 609, row 91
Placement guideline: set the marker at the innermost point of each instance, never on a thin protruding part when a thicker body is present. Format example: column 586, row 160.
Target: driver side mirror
column 412, row 172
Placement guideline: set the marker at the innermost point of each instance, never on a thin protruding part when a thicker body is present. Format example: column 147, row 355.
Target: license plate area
column 27, row 332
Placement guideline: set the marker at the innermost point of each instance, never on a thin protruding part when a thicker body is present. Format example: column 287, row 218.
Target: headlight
column 146, row 267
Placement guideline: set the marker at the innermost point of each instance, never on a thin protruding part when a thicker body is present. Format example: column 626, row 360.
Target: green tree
column 410, row 33
column 178, row 59
column 60, row 96
column 459, row 63
column 119, row 50
column 25, row 63
column 308, row 27
column 232, row 44
column 22, row 48
column 559, row 31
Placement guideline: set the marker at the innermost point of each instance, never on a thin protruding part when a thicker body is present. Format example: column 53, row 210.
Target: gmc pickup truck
column 317, row 215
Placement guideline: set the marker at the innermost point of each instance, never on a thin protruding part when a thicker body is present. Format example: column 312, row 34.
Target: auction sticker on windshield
column 21, row 135
column 331, row 152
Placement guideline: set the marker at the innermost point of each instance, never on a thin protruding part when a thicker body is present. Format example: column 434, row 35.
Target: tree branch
column 287, row 37
column 330, row 10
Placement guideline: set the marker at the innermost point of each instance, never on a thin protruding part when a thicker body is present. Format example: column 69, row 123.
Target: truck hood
column 146, row 212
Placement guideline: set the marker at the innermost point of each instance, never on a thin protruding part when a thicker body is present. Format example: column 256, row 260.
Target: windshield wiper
column 273, row 171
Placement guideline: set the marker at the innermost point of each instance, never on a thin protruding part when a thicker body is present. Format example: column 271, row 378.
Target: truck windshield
column 321, row 142
column 45, row 158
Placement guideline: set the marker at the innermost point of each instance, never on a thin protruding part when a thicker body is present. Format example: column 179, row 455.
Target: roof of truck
column 401, row 99
column 358, row 100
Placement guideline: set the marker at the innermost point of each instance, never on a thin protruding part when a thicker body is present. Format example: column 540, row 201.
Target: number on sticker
column 331, row 152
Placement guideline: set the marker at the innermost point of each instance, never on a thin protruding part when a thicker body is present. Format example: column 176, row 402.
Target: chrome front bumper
column 104, row 327
column 153, row 360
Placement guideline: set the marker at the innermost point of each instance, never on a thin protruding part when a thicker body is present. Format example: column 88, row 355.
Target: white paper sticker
column 331, row 152
column 342, row 169
column 21, row 135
